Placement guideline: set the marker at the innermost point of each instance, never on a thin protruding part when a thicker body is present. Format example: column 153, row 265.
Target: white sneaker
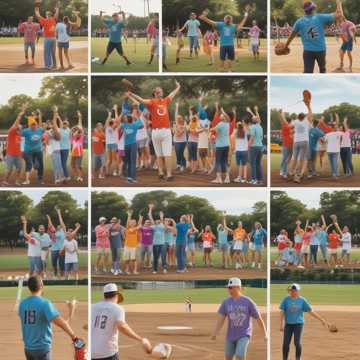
column 165, row 271
column 259, row 266
column 154, row 272
column 112, row 271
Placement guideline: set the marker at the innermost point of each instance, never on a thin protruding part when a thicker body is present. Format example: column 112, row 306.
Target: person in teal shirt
column 292, row 310
column 311, row 29
column 258, row 236
column 223, row 235
column 193, row 32
column 116, row 27
column 37, row 315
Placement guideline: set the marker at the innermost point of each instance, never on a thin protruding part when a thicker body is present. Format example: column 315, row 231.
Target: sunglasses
column 230, row 287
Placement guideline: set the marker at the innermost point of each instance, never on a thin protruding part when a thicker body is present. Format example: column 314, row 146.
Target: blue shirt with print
column 131, row 130
column 115, row 30
column 294, row 309
column 314, row 135
column 181, row 234
column 312, row 30
column 159, row 234
column 227, row 33
column 33, row 139
column 192, row 237
column 192, row 26
column 258, row 236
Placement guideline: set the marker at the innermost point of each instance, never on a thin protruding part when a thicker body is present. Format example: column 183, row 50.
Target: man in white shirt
column 345, row 243
column 107, row 319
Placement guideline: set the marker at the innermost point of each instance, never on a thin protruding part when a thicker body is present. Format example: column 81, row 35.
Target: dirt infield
column 318, row 343
column 192, row 274
column 14, row 61
column 293, row 63
column 187, row 344
column 11, row 346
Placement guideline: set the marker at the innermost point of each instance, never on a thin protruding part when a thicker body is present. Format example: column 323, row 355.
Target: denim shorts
column 76, row 162
column 237, row 348
column 194, row 42
column 110, row 147
column 71, row 267
column 13, row 161
column 29, row 44
column 190, row 247
column 347, row 46
column 99, row 161
column 63, row 45
column 35, row 263
column 242, row 158
column 224, row 247
column 227, row 52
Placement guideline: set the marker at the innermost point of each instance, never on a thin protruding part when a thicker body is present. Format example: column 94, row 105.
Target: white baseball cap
column 109, row 288
column 294, row 286
column 102, row 219
column 234, row 282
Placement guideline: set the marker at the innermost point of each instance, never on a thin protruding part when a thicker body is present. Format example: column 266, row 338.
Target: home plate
column 174, row 328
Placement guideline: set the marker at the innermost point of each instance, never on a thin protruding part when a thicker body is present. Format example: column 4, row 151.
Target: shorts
column 38, row 354
column 237, row 348
column 242, row 158
column 71, row 267
column 300, row 150
column 113, row 357
column 102, row 251
column 246, row 247
column 63, row 45
column 305, row 249
column 145, row 249
column 345, row 252
column 203, row 153
column 207, row 250
column 255, row 48
column 257, row 247
column 99, row 161
column 13, row 161
column 115, row 46
column 121, row 152
column 190, row 247
column 44, row 254
column 111, row 147
column 76, row 162
column 142, row 143
column 194, row 42
column 29, row 44
column 332, row 251
column 227, row 52
column 129, row 253
column 35, row 263
column 238, row 245
column 224, row 247
column 162, row 142
column 347, row 46
column 192, row 149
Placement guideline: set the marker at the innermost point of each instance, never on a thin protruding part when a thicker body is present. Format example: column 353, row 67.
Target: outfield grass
column 20, row 40
column 53, row 293
column 244, row 62
column 198, row 296
column 20, row 261
column 216, row 258
column 321, row 294
column 115, row 63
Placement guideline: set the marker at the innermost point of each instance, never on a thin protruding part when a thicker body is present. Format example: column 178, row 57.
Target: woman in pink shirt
column 77, row 148
column 102, row 232
column 30, row 31
column 346, row 149
column 305, row 249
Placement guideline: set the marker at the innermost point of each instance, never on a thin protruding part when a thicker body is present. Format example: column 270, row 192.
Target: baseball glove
column 307, row 96
column 281, row 49
column 333, row 328
column 161, row 351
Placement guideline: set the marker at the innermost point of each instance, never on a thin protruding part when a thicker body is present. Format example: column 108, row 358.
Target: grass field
column 53, row 293
column 321, row 294
column 115, row 63
column 244, row 62
column 198, row 296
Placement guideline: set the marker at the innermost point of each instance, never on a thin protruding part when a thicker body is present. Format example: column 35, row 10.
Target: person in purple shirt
column 239, row 310
column 147, row 234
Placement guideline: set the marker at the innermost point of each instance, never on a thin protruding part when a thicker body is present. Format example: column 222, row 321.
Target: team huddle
column 142, row 136
column 55, row 32
column 57, row 243
column 223, row 32
column 31, row 144
column 142, row 244
column 306, row 140
column 302, row 250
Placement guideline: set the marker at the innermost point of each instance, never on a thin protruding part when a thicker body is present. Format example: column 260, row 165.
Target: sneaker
column 116, row 273
column 237, row 180
column 154, row 272
column 165, row 271
column 112, row 270
column 26, row 182
column 167, row 351
column 119, row 272
column 115, row 173
column 259, row 266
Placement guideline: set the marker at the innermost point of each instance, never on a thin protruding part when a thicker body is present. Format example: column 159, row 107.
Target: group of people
column 301, row 250
column 53, row 137
column 312, row 30
column 226, row 31
column 141, row 135
column 306, row 140
column 57, row 242
column 141, row 244
column 55, row 32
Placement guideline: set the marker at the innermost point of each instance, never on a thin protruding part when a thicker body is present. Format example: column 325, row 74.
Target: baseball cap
column 112, row 288
column 102, row 219
column 234, row 282
column 309, row 5
column 294, row 287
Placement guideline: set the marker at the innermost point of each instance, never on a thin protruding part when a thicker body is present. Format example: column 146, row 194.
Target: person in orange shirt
column 13, row 150
column 240, row 236
column 161, row 134
column 287, row 138
column 208, row 238
column 131, row 243
column 333, row 245
column 49, row 25
column 98, row 145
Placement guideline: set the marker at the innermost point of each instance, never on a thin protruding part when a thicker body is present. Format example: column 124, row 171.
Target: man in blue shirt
column 182, row 228
column 115, row 26
column 311, row 29
column 193, row 32
column 315, row 135
column 227, row 31
column 37, row 316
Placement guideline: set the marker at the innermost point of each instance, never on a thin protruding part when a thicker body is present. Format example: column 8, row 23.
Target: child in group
column 223, row 233
column 345, row 240
column 71, row 253
column 208, row 239
column 242, row 152
column 98, row 146
column 112, row 139
column 77, row 149
column 298, row 240
column 333, row 144
column 258, row 237
column 282, row 243
column 142, row 139
column 305, row 249
column 180, row 139
column 193, row 130
column 240, row 236
column 289, row 255
column 334, row 243
column 208, row 45
column 170, row 236
column 180, row 44
column 192, row 235
column 203, row 145
column 346, row 149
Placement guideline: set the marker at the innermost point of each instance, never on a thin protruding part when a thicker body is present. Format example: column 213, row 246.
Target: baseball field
column 48, row 175
column 293, row 63
column 149, row 178
column 325, row 180
column 216, row 272
column 138, row 53
column 11, row 346
column 147, row 310
column 244, row 59
column 338, row 304
column 14, row 61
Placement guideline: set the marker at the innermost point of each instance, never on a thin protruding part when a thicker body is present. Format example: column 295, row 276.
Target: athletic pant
column 313, row 253
column 289, row 331
column 159, row 251
column 310, row 57
column 64, row 158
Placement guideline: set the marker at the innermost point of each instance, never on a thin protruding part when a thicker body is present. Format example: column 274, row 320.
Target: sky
column 134, row 7
column 233, row 201
column 15, row 85
column 309, row 197
column 80, row 195
column 326, row 91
